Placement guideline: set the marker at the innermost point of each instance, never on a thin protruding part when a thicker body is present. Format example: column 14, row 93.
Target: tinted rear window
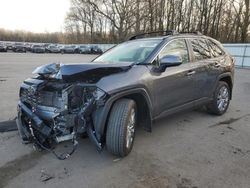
column 200, row 49
column 216, row 51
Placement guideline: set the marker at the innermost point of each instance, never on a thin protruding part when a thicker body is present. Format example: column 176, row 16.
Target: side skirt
column 186, row 106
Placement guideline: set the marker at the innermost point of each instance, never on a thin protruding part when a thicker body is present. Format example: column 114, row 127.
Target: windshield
column 132, row 51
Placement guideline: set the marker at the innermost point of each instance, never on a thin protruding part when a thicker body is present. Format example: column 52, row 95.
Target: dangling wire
column 62, row 156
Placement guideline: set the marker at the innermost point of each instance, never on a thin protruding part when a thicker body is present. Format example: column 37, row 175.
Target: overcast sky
column 33, row 15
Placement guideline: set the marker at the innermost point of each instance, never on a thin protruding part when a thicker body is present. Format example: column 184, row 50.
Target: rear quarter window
column 215, row 50
column 200, row 49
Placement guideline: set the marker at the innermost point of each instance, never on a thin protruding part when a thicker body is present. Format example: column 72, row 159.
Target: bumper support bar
column 37, row 123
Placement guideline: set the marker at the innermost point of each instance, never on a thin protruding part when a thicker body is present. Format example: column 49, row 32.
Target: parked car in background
column 28, row 46
column 96, row 50
column 69, row 49
column 36, row 48
column 9, row 45
column 19, row 47
column 83, row 49
column 52, row 49
column 45, row 45
column 77, row 49
column 3, row 47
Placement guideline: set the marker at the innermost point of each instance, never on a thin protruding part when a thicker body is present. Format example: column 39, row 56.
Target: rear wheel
column 121, row 127
column 221, row 99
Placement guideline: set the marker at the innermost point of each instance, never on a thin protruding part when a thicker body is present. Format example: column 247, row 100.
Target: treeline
column 115, row 20
column 112, row 21
column 25, row 36
column 57, row 37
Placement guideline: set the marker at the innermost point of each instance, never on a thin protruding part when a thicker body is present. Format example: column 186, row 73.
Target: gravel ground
column 186, row 150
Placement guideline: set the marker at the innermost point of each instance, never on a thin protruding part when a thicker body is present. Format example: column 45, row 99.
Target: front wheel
column 121, row 127
column 221, row 99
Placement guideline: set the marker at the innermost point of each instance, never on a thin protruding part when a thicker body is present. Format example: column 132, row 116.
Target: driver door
column 176, row 85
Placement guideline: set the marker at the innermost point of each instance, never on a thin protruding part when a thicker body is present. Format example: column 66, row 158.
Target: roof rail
column 163, row 33
column 191, row 32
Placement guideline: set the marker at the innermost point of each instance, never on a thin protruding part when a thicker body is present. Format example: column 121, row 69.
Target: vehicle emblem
column 32, row 90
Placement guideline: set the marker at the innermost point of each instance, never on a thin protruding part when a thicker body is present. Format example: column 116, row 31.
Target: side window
column 176, row 47
column 214, row 48
column 200, row 49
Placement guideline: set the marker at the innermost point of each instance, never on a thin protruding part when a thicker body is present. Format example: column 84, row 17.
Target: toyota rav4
column 132, row 84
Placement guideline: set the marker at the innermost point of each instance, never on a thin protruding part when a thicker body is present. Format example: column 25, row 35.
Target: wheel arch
column 227, row 77
column 143, row 102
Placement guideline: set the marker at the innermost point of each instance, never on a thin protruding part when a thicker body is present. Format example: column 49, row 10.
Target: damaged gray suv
column 132, row 84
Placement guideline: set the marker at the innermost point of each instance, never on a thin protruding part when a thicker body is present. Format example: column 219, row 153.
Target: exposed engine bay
column 61, row 102
column 51, row 111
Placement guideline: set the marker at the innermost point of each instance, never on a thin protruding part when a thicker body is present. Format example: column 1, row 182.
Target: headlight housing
column 79, row 95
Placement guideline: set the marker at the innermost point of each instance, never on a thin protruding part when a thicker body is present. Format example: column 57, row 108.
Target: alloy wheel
column 130, row 129
column 223, row 98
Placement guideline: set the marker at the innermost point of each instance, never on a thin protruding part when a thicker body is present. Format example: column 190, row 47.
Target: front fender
column 100, row 116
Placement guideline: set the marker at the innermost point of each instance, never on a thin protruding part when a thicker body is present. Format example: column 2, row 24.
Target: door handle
column 191, row 73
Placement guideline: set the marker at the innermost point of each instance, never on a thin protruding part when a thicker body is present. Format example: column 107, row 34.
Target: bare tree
column 112, row 21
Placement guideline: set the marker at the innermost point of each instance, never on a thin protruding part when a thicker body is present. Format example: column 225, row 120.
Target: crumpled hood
column 47, row 69
column 85, row 72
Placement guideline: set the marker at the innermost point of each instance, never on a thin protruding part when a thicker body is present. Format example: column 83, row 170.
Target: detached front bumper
column 36, row 131
column 27, row 121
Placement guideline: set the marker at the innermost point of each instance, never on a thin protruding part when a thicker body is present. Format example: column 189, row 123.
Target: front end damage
column 51, row 111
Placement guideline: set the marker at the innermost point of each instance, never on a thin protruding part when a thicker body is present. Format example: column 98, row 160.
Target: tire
column 223, row 94
column 117, row 137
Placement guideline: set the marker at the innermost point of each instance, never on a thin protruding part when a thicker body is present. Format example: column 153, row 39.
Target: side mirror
column 168, row 61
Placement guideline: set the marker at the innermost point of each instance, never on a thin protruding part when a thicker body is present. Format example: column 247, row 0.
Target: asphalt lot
column 189, row 149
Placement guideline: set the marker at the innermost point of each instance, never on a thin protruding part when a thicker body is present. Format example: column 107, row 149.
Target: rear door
column 202, row 65
column 217, row 62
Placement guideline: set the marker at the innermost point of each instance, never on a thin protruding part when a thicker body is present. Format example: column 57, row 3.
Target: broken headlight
column 80, row 95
